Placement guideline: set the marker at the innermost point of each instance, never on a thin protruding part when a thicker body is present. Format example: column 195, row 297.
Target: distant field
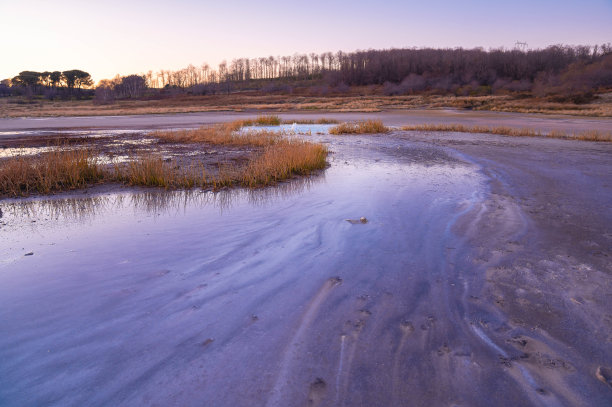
column 601, row 107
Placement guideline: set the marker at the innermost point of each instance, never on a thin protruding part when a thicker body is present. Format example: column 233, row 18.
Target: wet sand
column 481, row 277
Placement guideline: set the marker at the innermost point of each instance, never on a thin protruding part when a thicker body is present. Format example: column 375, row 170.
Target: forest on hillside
column 560, row 72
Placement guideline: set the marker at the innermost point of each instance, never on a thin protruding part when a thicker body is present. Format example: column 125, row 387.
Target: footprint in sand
column 317, row 391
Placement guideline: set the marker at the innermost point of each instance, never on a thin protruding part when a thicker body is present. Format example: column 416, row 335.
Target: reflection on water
column 20, row 151
column 152, row 202
column 93, row 133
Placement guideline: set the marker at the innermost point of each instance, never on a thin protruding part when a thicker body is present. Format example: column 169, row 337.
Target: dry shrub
column 363, row 127
column 49, row 172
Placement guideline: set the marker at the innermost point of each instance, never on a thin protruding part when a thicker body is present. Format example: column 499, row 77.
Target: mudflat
column 481, row 276
column 542, row 122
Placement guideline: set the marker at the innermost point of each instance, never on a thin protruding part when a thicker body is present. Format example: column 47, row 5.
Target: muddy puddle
column 268, row 297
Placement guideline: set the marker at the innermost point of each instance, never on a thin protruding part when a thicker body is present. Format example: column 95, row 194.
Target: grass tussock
column 49, row 172
column 262, row 120
column 284, row 160
column 589, row 135
column 363, row 127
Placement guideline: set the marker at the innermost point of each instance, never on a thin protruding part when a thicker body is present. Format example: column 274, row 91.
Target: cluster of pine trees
column 50, row 84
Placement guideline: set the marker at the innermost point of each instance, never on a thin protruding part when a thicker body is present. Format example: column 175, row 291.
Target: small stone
column 604, row 374
column 362, row 220
column 29, row 254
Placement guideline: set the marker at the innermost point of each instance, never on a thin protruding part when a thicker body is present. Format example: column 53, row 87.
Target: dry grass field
column 601, row 107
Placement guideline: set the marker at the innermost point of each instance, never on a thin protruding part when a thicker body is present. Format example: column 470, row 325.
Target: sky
column 111, row 37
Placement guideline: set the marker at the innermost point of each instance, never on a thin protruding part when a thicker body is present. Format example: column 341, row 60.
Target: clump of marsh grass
column 49, row 172
column 589, row 135
column 284, row 160
column 363, row 127
column 270, row 120
column 152, row 171
column 262, row 120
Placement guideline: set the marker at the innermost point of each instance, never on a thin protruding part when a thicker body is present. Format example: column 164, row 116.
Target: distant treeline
column 48, row 84
column 571, row 73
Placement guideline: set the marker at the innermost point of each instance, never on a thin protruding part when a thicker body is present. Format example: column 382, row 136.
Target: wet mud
column 481, row 276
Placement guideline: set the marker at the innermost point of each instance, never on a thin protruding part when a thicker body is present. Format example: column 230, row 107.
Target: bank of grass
column 220, row 134
column 277, row 162
column 275, row 159
column 363, row 127
column 589, row 135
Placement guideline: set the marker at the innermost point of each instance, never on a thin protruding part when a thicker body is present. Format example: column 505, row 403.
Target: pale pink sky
column 124, row 37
